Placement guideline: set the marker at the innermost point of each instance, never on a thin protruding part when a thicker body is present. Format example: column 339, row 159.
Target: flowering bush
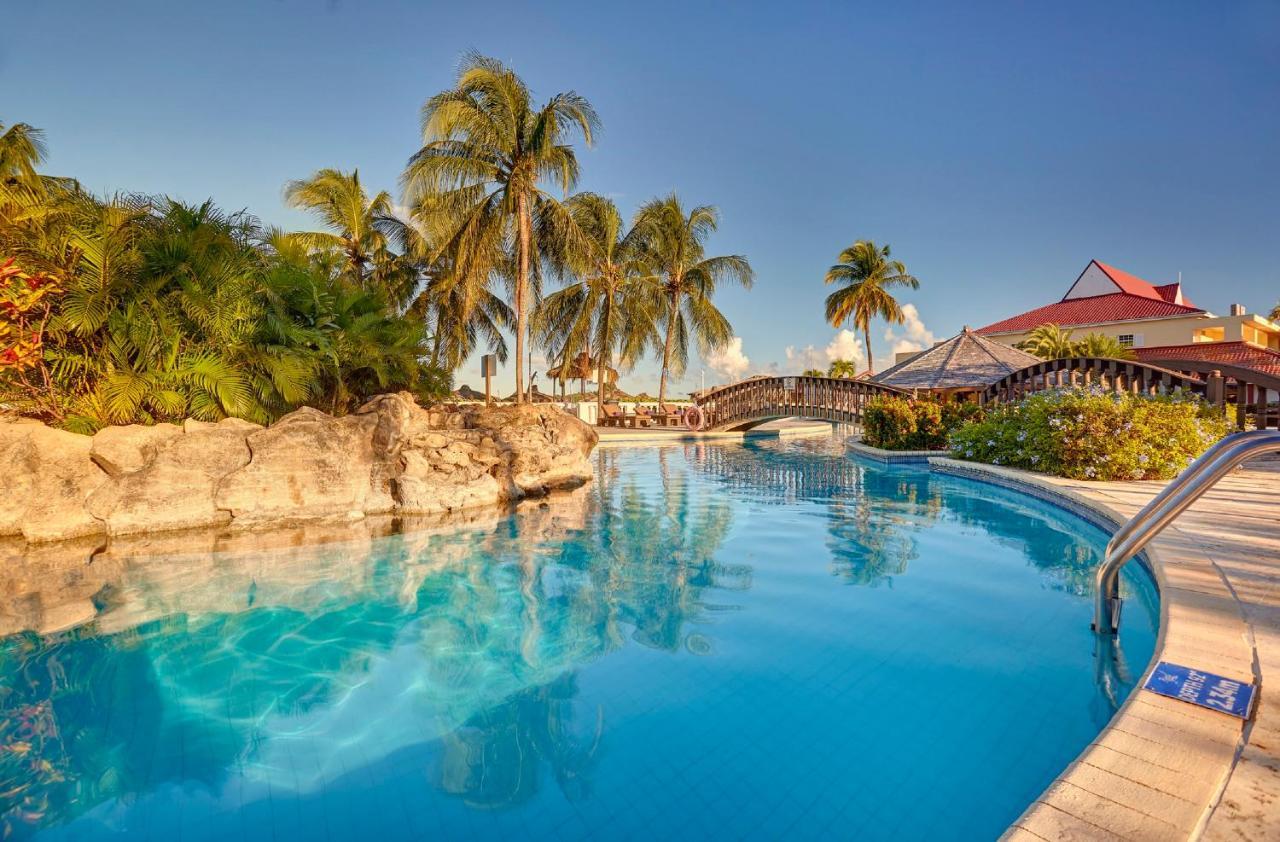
column 1094, row 434
column 913, row 424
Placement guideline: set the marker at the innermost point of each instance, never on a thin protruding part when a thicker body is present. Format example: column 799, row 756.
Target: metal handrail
column 1184, row 490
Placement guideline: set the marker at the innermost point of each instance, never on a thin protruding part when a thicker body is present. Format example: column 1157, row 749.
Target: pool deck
column 1164, row 769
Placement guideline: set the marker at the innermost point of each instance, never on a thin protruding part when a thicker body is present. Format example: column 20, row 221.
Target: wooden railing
column 1113, row 375
column 1246, row 394
column 766, row 398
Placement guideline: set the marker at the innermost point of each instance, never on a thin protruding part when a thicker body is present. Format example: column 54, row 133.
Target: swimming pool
column 710, row 641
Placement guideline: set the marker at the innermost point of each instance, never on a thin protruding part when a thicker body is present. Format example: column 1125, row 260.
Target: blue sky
column 996, row 147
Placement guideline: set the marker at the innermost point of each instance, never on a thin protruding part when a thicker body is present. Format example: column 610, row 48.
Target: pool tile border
column 1160, row 768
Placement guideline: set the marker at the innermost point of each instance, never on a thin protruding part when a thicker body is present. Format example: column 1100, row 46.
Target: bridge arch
column 749, row 403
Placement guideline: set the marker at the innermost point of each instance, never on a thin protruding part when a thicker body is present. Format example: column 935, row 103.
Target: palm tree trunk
column 522, row 282
column 866, row 338
column 666, row 350
column 600, row 360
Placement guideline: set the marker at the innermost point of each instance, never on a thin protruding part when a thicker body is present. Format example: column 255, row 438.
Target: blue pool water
column 758, row 640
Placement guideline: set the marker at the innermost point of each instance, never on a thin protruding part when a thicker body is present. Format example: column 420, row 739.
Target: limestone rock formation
column 391, row 456
column 176, row 488
column 46, row 479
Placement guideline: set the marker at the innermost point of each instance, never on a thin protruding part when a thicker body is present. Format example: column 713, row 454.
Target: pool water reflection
column 709, row 641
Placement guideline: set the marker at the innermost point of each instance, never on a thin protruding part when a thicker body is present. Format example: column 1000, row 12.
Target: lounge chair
column 673, row 414
column 643, row 417
column 612, row 416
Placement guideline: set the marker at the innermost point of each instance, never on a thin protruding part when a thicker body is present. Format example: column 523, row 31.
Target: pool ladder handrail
column 1181, row 492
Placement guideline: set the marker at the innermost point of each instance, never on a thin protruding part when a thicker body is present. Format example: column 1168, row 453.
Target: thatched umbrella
column 466, row 393
column 584, row 368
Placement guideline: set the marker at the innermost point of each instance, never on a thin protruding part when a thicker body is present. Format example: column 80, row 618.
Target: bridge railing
column 830, row 398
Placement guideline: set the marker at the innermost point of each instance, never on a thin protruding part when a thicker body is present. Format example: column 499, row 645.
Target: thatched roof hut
column 967, row 362
column 582, row 367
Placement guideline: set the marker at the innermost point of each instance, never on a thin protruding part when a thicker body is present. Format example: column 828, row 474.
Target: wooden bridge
column 749, row 403
column 1247, row 395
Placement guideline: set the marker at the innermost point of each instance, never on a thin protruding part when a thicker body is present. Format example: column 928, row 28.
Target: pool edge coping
column 1145, row 723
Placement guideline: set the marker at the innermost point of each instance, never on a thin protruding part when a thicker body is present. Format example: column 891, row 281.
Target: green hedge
column 1094, row 434
column 913, row 424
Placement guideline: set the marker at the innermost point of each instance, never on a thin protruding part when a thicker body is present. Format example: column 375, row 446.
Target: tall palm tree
column 867, row 275
column 360, row 227
column 1274, row 315
column 477, row 180
column 675, row 242
column 615, row 303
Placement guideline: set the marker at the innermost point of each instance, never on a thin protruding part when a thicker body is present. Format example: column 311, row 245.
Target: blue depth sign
column 1205, row 689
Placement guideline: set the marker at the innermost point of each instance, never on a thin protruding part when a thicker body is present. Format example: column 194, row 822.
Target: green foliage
column 813, row 372
column 1100, row 345
column 171, row 311
column 893, row 423
column 1094, row 434
column 847, row 369
column 1051, row 342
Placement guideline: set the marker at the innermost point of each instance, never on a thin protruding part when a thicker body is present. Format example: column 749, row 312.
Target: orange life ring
column 694, row 418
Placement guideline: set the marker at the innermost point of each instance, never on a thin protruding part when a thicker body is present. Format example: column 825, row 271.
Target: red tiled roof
column 1227, row 353
column 1169, row 292
column 1131, row 284
column 1115, row 307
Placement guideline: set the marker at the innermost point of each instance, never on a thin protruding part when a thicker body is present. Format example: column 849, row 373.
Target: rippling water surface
column 708, row 642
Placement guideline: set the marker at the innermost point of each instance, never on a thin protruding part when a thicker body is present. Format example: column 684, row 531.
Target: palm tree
column 360, row 227
column 1101, row 345
column 867, row 274
column 477, row 179
column 1049, row 342
column 1274, row 315
column 22, row 149
column 615, row 303
column 846, row 369
column 675, row 242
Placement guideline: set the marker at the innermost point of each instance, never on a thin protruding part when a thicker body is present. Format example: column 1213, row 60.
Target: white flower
column 969, row 452
column 1090, row 472
column 1035, row 459
column 991, row 442
column 1143, row 459
column 1022, row 435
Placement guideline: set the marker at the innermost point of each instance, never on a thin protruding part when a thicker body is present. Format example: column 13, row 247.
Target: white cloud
column 805, row 358
column 914, row 336
column 729, row 361
column 846, row 346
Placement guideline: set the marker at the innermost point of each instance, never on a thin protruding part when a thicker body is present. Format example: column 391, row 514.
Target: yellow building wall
column 1155, row 332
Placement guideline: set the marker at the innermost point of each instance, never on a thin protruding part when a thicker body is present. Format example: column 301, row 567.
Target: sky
column 996, row 148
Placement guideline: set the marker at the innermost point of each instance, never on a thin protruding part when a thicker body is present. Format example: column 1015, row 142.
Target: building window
column 1209, row 334
column 1126, row 339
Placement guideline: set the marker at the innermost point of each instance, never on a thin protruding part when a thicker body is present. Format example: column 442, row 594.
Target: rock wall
column 389, row 457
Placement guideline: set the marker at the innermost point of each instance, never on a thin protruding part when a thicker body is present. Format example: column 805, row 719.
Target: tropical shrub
column 1091, row 433
column 164, row 311
column 894, row 423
